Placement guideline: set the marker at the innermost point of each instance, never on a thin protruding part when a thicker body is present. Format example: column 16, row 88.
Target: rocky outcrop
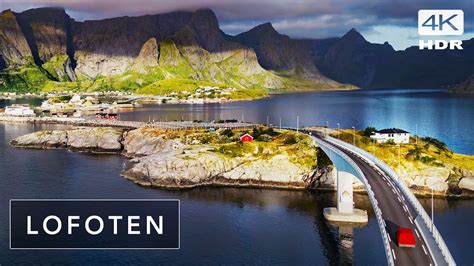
column 326, row 179
column 93, row 140
column 200, row 166
column 96, row 140
column 467, row 183
column 148, row 56
column 466, row 86
column 42, row 140
column 147, row 141
column 157, row 160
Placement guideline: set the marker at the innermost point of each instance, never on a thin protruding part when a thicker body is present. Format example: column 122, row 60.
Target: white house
column 19, row 110
column 395, row 134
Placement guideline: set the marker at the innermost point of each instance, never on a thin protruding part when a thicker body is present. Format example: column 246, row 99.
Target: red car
column 405, row 237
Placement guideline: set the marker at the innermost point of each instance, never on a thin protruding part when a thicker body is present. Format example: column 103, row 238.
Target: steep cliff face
column 351, row 59
column 142, row 53
column 48, row 26
column 276, row 51
column 47, row 31
column 148, row 56
column 108, row 47
column 14, row 48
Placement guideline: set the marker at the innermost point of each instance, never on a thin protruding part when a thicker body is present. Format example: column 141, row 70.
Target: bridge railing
column 378, row 212
column 406, row 192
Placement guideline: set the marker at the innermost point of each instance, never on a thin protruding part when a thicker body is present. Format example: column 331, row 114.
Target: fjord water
column 435, row 113
column 251, row 226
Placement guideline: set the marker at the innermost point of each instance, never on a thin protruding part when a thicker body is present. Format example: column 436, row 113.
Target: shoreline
column 143, row 179
column 127, row 97
column 124, row 124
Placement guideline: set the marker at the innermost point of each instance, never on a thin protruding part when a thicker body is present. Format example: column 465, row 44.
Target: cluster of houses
column 79, row 107
column 202, row 94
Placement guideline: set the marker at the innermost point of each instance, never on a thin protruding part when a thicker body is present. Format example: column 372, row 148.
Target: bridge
column 393, row 203
column 153, row 98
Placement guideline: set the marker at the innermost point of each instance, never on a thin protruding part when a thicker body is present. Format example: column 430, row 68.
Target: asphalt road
column 396, row 212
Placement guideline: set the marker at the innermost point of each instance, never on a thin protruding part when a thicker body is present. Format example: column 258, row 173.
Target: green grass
column 179, row 69
column 28, row 78
column 55, row 67
column 267, row 143
column 417, row 155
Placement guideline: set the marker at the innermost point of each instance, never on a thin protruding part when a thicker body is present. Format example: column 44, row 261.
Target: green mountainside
column 46, row 50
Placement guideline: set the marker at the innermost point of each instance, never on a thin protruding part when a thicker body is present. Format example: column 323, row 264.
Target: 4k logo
column 440, row 22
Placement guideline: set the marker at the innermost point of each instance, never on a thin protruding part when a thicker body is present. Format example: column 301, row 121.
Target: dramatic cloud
column 380, row 20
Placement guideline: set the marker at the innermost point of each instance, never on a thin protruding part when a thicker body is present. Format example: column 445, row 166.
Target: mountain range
column 45, row 49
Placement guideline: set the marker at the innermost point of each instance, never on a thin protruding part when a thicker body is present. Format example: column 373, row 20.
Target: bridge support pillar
column 345, row 211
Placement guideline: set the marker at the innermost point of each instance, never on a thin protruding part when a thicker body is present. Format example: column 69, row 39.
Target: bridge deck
column 396, row 212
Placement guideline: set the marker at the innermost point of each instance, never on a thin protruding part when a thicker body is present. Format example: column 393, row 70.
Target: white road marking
column 410, row 220
column 389, row 238
column 394, row 191
column 405, row 208
column 394, row 257
column 399, row 199
column 416, row 231
column 384, row 223
column 424, row 249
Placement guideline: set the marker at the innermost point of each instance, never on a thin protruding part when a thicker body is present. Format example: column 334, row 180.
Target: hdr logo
column 440, row 22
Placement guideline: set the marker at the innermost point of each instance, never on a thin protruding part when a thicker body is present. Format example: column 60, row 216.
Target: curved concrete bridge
column 394, row 204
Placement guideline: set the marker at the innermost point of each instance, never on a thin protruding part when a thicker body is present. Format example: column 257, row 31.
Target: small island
column 187, row 158
column 195, row 157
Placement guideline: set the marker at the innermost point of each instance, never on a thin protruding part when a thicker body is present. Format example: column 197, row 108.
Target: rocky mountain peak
column 205, row 25
column 266, row 29
column 353, row 36
column 45, row 11
column 6, row 12
column 268, row 26
column 205, row 18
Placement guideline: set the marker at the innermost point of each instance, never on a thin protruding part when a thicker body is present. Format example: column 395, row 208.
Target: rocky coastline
column 158, row 159
column 190, row 158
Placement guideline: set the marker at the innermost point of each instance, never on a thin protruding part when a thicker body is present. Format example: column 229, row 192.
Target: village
column 105, row 105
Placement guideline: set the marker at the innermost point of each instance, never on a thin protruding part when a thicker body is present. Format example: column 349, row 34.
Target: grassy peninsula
column 423, row 162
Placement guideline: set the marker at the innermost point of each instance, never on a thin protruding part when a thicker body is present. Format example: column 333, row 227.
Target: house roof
column 246, row 134
column 391, row 130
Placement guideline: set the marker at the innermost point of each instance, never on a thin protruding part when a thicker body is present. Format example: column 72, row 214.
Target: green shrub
column 414, row 153
column 227, row 132
column 368, row 131
column 264, row 138
column 437, row 143
column 290, row 139
column 322, row 159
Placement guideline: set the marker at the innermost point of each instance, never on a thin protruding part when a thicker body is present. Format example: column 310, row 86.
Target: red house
column 246, row 137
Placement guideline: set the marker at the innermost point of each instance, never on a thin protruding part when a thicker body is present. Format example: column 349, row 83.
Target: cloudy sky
column 394, row 21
